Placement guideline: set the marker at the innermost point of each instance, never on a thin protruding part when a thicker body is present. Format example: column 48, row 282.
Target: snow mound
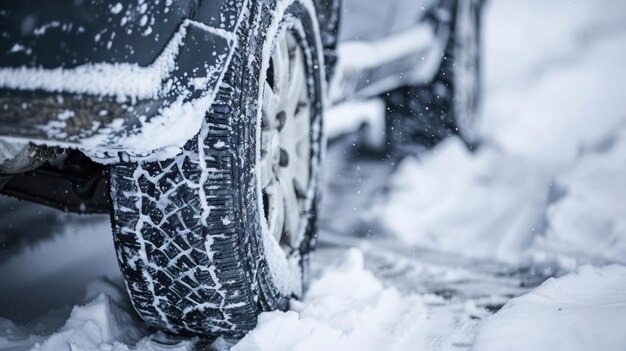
column 347, row 308
column 568, row 90
column 101, row 324
column 589, row 220
column 98, row 325
column 481, row 205
column 494, row 205
column 581, row 311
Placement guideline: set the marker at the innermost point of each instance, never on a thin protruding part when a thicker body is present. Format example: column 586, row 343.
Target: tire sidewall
column 266, row 266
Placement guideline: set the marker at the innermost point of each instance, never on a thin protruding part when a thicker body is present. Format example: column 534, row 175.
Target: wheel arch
column 109, row 106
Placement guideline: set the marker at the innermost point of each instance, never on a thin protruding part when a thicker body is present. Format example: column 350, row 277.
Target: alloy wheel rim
column 285, row 157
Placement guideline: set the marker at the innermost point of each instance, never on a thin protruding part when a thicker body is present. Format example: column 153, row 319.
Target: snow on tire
column 191, row 233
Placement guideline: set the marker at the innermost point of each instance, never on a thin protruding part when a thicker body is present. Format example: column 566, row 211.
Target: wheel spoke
column 297, row 83
column 270, row 105
column 300, row 170
column 292, row 207
column 281, row 67
column 267, row 157
column 296, row 128
column 276, row 217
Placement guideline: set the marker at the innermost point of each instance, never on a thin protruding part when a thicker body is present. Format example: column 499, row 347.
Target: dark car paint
column 373, row 20
column 25, row 113
column 70, row 33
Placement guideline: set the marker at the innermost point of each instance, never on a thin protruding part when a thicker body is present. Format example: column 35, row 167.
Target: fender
column 116, row 79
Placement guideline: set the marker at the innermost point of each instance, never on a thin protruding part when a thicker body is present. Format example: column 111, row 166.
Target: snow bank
column 481, row 205
column 346, row 309
column 99, row 325
column 555, row 77
column 588, row 220
column 498, row 206
column 581, row 311
column 102, row 324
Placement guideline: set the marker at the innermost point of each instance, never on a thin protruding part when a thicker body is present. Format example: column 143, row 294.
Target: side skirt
column 76, row 184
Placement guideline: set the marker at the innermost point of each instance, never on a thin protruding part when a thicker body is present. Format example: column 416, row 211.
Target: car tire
column 449, row 104
column 193, row 234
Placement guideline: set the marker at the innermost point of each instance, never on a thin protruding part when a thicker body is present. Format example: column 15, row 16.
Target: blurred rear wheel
column 449, row 104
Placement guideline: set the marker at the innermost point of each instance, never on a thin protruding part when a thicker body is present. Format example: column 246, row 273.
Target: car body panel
column 375, row 20
column 71, row 33
column 356, row 20
column 132, row 92
column 98, row 108
column 53, row 34
column 404, row 14
column 404, row 46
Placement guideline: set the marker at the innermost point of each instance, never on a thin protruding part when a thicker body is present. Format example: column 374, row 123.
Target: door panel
column 363, row 19
column 406, row 13
column 375, row 19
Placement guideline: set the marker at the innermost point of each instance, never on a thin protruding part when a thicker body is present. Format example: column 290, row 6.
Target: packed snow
column 581, row 311
column 445, row 254
column 348, row 308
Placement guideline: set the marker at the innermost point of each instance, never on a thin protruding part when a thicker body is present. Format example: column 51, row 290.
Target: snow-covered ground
column 580, row 311
column 420, row 254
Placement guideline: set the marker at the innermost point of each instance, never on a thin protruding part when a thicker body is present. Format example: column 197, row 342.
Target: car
column 198, row 125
